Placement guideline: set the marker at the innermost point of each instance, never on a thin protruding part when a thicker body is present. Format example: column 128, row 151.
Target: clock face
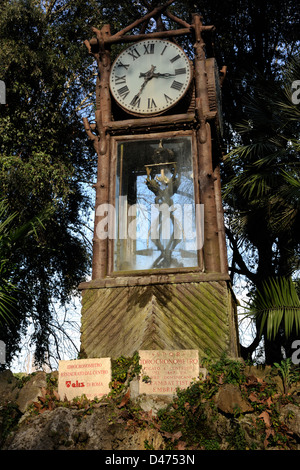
column 150, row 76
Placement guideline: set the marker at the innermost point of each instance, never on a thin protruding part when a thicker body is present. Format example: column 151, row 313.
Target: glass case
column 155, row 204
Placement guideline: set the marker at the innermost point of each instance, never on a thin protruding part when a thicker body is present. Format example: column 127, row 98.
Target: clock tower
column 160, row 276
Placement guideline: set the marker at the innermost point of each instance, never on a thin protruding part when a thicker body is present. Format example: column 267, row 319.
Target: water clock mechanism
column 160, row 273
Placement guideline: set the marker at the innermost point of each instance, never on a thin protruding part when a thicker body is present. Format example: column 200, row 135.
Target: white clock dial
column 150, row 76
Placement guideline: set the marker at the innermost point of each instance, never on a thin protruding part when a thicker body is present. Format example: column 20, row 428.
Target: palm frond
column 10, row 233
column 7, row 299
column 6, row 305
column 276, row 305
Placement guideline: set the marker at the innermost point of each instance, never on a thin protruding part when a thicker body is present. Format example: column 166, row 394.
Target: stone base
column 120, row 318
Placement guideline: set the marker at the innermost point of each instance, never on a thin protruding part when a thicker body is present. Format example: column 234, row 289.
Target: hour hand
column 148, row 75
column 163, row 75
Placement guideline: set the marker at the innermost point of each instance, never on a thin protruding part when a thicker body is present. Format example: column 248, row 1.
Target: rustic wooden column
column 211, row 247
column 103, row 114
column 220, row 221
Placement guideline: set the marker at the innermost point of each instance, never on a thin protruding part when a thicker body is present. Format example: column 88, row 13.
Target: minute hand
column 158, row 75
column 164, row 75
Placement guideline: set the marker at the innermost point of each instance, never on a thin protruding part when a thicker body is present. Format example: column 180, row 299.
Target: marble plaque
column 163, row 371
column 89, row 377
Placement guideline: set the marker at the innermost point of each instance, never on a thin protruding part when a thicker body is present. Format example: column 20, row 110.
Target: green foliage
column 7, row 300
column 6, row 287
column 186, row 418
column 124, row 369
column 224, row 370
column 45, row 159
column 237, row 439
column 11, row 234
column 188, row 422
column 262, row 194
column 263, row 189
column 52, row 381
column 9, row 417
column 276, row 305
column 193, row 410
column 289, row 373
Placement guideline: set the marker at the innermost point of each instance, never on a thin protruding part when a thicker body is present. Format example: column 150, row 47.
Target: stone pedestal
column 121, row 315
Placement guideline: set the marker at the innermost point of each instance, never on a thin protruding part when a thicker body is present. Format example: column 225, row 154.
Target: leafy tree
column 6, row 288
column 45, row 164
column 251, row 37
column 263, row 196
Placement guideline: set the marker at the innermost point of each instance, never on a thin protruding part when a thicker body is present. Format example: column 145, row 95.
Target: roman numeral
column 120, row 80
column 177, row 85
column 136, row 101
column 180, row 71
column 123, row 65
column 134, row 54
column 149, row 48
column 167, row 98
column 176, row 57
column 151, row 103
column 162, row 52
column 123, row 91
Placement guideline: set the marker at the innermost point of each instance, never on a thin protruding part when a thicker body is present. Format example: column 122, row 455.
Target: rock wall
column 255, row 413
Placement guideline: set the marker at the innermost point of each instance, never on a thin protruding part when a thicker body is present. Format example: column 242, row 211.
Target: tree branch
column 239, row 259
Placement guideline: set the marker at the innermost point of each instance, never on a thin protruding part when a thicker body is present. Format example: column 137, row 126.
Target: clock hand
column 157, row 74
column 164, row 75
column 143, row 86
column 147, row 76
